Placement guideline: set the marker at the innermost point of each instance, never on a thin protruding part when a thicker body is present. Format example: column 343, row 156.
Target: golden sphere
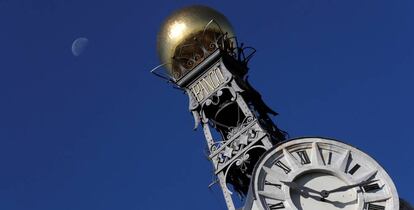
column 183, row 27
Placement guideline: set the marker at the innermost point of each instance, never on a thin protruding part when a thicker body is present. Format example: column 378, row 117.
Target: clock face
column 317, row 173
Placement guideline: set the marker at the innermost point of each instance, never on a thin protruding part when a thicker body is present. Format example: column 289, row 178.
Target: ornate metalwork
column 195, row 49
column 233, row 107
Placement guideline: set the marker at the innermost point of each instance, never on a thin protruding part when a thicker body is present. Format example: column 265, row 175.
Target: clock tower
column 251, row 157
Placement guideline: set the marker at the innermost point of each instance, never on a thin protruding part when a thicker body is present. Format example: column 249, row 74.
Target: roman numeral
column 354, row 169
column 330, row 158
column 283, row 166
column 273, row 184
column 371, row 187
column 375, row 207
column 276, row 206
column 291, row 160
column 304, row 158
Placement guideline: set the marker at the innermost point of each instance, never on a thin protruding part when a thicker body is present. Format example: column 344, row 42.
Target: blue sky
column 98, row 131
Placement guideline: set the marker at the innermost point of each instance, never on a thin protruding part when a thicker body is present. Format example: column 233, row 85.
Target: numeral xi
column 304, row 158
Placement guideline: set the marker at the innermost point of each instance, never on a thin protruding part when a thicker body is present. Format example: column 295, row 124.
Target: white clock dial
column 318, row 173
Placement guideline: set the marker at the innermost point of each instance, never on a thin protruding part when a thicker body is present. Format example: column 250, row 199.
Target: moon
column 79, row 46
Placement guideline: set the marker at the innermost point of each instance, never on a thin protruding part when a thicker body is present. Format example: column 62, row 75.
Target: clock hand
column 304, row 191
column 325, row 193
column 297, row 187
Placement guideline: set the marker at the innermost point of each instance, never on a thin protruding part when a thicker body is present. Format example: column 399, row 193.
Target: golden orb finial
column 182, row 34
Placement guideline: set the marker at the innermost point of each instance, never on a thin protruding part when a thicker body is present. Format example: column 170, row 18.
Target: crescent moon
column 79, row 46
